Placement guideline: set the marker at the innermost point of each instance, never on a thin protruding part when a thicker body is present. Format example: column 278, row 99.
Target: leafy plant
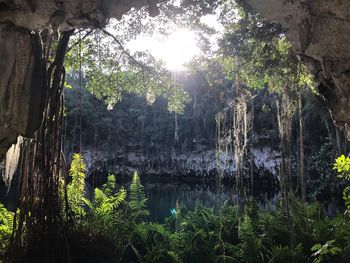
column 325, row 251
column 151, row 243
column 105, row 201
column 76, row 188
column 137, row 198
column 250, row 243
column 281, row 253
column 207, row 234
column 342, row 165
column 6, row 225
column 324, row 184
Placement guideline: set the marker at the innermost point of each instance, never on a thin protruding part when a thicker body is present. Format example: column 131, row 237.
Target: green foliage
column 197, row 237
column 250, row 243
column 342, row 166
column 133, row 121
column 281, row 253
column 98, row 213
column 323, row 181
column 257, row 54
column 208, row 235
column 105, row 201
column 323, row 252
column 107, row 215
column 102, row 217
column 151, row 243
column 76, row 188
column 6, row 225
column 108, row 71
column 137, row 198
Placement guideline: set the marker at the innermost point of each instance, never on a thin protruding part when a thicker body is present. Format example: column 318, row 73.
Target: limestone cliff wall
column 21, row 90
column 203, row 163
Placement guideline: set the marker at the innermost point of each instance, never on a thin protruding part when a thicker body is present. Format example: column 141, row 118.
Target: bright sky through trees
column 174, row 50
column 177, row 48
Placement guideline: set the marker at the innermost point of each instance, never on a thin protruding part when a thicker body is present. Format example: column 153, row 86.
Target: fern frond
column 119, row 197
column 137, row 194
column 99, row 197
column 6, row 226
column 88, row 203
column 109, row 186
column 76, row 188
column 105, row 204
column 77, row 165
column 138, row 198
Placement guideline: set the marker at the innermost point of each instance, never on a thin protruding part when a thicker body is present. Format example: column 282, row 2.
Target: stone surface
column 21, row 90
column 203, row 163
column 319, row 31
column 64, row 15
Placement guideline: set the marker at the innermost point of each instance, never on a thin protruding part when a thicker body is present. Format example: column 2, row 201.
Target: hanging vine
column 233, row 128
column 233, row 125
column 285, row 110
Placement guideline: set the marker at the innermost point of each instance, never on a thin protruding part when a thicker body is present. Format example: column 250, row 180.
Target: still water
column 163, row 192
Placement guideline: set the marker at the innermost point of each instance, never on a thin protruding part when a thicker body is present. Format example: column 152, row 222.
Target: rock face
column 64, row 15
column 203, row 163
column 22, row 93
column 319, row 31
column 21, row 90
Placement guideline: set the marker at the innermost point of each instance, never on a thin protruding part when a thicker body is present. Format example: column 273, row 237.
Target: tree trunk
column 40, row 232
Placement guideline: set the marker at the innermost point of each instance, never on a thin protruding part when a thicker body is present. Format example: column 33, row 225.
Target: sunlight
column 174, row 50
column 178, row 49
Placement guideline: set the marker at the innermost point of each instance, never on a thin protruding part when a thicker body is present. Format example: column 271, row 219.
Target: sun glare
column 175, row 50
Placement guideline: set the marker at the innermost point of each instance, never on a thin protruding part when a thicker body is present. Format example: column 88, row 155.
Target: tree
column 257, row 53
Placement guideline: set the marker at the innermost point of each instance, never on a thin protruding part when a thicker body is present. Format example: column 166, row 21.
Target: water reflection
column 164, row 192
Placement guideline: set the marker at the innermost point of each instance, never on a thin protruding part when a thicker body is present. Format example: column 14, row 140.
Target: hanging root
column 232, row 130
column 40, row 234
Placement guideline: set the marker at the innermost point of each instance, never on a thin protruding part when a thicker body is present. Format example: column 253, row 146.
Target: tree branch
column 76, row 43
column 126, row 52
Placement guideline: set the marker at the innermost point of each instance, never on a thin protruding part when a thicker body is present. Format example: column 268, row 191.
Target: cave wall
column 21, row 90
column 319, row 31
column 197, row 163
column 22, row 95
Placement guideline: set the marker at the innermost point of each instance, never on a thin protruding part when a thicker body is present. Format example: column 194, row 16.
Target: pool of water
column 164, row 192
